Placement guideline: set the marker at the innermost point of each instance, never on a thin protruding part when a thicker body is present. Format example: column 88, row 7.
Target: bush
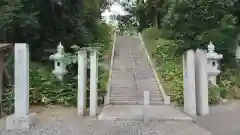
column 46, row 89
column 213, row 94
column 151, row 33
column 169, row 68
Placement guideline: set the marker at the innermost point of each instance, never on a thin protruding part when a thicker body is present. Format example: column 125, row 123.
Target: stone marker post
column 82, row 69
column 93, row 82
column 146, row 107
column 201, row 83
column 146, row 98
column 189, row 82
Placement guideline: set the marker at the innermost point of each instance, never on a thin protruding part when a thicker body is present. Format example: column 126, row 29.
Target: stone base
column 12, row 122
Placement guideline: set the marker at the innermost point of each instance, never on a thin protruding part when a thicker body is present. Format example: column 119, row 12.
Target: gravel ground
column 93, row 127
column 57, row 120
column 223, row 119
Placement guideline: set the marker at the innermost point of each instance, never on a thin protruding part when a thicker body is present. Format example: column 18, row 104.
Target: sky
column 116, row 9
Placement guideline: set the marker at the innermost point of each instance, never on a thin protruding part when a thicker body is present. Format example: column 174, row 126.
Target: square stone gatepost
column 189, row 82
column 201, row 83
column 21, row 119
column 93, row 83
column 82, row 73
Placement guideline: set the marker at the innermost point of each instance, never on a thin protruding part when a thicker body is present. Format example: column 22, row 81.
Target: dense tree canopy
column 45, row 23
column 191, row 23
column 170, row 27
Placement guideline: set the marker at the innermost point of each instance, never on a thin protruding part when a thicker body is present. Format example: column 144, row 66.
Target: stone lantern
column 59, row 64
column 213, row 63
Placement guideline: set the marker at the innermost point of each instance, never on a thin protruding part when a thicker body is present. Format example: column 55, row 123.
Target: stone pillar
column 201, row 83
column 21, row 118
column 21, row 79
column 146, row 98
column 82, row 69
column 1, row 75
column 93, row 82
column 189, row 82
column 146, row 118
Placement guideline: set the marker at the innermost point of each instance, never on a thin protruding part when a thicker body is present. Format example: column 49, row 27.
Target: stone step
column 118, row 83
column 125, row 99
column 123, row 89
column 138, row 112
column 129, row 91
column 120, row 102
column 122, row 81
column 120, row 94
column 157, row 100
column 134, row 95
column 123, row 94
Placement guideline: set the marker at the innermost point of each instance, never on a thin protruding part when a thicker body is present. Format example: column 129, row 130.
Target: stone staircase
column 132, row 75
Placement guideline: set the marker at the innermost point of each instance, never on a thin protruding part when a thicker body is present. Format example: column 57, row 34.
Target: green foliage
column 46, row 89
column 167, row 64
column 7, row 105
column 169, row 67
column 43, row 24
column 152, row 33
column 195, row 23
column 213, row 94
column 191, row 24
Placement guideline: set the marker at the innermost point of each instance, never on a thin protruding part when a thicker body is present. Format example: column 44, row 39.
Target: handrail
column 166, row 98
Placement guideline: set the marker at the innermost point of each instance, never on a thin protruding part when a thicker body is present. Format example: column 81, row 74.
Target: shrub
column 169, row 68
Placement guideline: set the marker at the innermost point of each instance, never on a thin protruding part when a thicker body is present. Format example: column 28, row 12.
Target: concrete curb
column 166, row 98
column 107, row 96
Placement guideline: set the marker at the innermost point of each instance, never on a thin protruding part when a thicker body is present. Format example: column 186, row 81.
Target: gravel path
column 94, row 127
column 57, row 120
column 223, row 119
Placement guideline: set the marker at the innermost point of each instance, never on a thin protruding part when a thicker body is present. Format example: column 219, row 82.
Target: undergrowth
column 45, row 89
column 169, row 68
